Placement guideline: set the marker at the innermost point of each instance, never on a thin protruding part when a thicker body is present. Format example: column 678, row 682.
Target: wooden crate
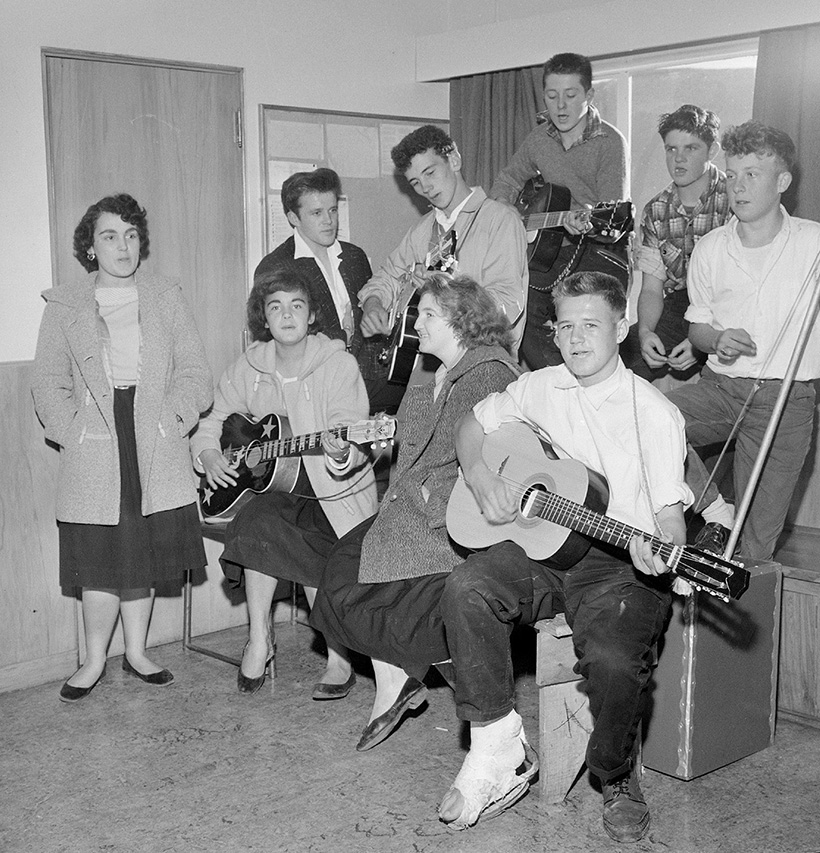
column 564, row 719
column 798, row 696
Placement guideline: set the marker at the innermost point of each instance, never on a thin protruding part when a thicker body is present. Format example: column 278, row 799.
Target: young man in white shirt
column 592, row 409
column 749, row 285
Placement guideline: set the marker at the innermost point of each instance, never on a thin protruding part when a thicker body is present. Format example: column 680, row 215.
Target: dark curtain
column 787, row 96
column 490, row 114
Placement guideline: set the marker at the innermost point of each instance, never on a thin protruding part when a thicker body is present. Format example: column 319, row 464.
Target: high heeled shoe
column 158, row 679
column 411, row 695
column 323, row 691
column 70, row 693
column 252, row 685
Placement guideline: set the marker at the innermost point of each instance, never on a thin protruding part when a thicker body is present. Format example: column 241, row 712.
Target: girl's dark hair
column 124, row 206
column 281, row 278
column 473, row 314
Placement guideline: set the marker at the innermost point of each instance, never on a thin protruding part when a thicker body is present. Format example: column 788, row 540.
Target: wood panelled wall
column 40, row 628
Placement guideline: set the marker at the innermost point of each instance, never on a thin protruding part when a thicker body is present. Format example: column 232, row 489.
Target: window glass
column 724, row 86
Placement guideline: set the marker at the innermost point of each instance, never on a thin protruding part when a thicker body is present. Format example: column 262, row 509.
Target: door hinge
column 237, row 128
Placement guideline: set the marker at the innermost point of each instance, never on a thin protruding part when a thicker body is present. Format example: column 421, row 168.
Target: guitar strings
column 609, row 529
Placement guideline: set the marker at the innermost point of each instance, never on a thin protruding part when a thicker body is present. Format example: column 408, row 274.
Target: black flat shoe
column 322, row 691
column 158, row 679
column 412, row 694
column 69, row 693
column 252, row 685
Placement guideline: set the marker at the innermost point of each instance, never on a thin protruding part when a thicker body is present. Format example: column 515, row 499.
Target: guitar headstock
column 709, row 573
column 611, row 220
column 379, row 430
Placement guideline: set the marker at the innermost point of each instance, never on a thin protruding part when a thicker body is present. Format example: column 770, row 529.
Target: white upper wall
column 489, row 35
column 356, row 55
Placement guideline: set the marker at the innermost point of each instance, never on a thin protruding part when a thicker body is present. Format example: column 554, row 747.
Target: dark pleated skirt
column 286, row 536
column 398, row 622
column 140, row 551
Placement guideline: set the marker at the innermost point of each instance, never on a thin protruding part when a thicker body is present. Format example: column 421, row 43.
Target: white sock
column 499, row 738
column 719, row 512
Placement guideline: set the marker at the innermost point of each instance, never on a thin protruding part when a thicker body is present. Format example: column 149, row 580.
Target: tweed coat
column 354, row 268
column 409, row 537
column 74, row 398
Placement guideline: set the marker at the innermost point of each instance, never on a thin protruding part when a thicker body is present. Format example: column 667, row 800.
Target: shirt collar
column 447, row 222
column 594, row 126
column 782, row 234
column 596, row 394
column 302, row 250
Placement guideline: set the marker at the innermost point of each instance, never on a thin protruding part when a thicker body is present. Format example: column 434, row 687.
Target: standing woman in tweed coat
column 120, row 377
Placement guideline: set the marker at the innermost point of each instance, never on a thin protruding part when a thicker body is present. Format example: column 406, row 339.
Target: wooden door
column 168, row 134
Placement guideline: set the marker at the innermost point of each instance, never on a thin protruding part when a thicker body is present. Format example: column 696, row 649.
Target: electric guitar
column 266, row 456
column 402, row 347
column 560, row 499
column 544, row 206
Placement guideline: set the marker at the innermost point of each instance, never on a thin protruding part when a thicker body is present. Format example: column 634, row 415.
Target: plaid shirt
column 669, row 233
column 591, row 129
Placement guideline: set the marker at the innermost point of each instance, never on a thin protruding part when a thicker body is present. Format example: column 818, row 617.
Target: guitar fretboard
column 537, row 221
column 560, row 510
column 291, row 446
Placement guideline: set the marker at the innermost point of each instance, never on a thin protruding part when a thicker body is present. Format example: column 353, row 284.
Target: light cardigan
column 74, row 398
column 329, row 391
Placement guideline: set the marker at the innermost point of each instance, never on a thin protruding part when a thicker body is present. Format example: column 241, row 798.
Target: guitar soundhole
column 253, row 455
column 533, row 500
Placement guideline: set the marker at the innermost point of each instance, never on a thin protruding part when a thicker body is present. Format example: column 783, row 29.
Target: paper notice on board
column 289, row 140
column 344, row 219
column 279, row 229
column 389, row 136
column 353, row 150
column 280, row 170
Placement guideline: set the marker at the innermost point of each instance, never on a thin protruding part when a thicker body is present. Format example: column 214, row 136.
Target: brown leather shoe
column 626, row 815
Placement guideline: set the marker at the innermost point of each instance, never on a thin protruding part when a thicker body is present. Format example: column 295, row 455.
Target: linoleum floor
column 198, row 767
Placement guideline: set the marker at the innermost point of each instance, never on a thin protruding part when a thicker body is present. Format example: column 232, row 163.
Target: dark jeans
column 671, row 329
column 616, row 615
column 711, row 408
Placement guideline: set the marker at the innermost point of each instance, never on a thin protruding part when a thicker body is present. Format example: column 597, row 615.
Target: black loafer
column 158, row 679
column 412, row 694
column 323, row 691
column 69, row 693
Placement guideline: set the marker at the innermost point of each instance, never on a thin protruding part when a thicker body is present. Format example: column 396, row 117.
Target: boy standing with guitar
column 592, row 409
column 465, row 233
column 574, row 149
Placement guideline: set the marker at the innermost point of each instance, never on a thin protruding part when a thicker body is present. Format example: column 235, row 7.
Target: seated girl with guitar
column 294, row 372
column 380, row 591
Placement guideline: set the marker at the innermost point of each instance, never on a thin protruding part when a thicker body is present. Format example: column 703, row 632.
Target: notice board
column 378, row 206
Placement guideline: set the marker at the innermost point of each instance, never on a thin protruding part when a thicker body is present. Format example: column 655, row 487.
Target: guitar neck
column 551, row 219
column 559, row 510
column 292, row 446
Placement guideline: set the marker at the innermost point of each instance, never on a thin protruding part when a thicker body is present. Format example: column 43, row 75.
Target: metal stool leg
column 187, row 610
